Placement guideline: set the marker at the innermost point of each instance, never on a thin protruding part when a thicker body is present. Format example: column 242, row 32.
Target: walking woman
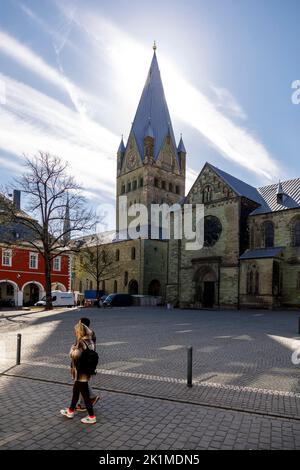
column 80, row 373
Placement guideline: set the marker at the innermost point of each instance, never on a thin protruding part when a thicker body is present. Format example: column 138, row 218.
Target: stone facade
column 245, row 265
column 251, row 255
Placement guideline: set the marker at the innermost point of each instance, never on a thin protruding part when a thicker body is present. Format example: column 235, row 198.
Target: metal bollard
column 19, row 337
column 190, row 366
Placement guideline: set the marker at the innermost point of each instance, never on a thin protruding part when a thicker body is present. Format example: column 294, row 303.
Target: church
column 251, row 252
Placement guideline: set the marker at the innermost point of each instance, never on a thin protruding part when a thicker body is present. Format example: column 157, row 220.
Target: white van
column 59, row 299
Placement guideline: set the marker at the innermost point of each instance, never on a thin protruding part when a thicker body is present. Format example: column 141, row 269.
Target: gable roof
column 238, row 186
column 11, row 227
column 153, row 109
column 291, row 197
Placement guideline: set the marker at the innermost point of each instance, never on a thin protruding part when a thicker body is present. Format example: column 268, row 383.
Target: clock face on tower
column 131, row 161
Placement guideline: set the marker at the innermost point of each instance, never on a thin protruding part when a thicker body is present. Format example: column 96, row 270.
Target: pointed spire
column 279, row 188
column 121, row 148
column 181, row 147
column 149, row 132
column 153, row 106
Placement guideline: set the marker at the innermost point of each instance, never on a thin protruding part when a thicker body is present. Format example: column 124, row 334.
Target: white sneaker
column 89, row 420
column 67, row 413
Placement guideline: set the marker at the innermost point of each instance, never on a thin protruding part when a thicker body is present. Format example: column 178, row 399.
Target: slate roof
column 239, row 187
column 262, row 253
column 153, row 108
column 181, row 147
column 13, row 230
column 291, row 198
column 121, row 148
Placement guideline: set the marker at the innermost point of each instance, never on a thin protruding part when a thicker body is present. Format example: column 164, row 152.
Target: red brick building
column 22, row 278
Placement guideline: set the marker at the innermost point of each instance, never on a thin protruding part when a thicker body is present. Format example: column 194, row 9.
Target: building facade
column 251, row 252
column 22, row 275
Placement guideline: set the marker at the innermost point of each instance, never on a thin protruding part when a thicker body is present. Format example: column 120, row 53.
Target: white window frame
column 35, row 256
column 6, row 254
column 57, row 259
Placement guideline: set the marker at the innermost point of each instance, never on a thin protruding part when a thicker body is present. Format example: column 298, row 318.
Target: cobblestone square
column 245, row 393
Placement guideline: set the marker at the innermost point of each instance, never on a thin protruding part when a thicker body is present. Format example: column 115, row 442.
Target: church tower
column 151, row 168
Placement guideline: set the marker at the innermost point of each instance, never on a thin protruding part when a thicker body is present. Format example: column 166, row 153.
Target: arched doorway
column 32, row 293
column 154, row 288
column 205, row 287
column 58, row 286
column 133, row 287
column 8, row 294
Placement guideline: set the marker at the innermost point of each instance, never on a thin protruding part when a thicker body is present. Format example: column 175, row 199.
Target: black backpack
column 88, row 361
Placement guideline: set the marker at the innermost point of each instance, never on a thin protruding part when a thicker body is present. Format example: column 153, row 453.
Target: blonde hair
column 81, row 331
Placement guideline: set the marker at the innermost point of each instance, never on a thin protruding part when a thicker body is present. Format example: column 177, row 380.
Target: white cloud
column 227, row 103
column 31, row 121
column 129, row 60
column 30, row 60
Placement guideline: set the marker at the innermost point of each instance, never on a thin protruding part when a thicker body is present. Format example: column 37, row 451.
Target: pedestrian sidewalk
column 19, row 313
column 31, row 420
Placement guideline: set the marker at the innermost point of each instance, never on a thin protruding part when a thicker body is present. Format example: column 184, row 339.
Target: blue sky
column 72, row 72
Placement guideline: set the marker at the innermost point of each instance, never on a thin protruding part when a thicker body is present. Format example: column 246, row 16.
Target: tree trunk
column 98, row 289
column 49, row 305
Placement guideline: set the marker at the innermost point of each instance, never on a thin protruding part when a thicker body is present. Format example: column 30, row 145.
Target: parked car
column 59, row 299
column 101, row 300
column 118, row 300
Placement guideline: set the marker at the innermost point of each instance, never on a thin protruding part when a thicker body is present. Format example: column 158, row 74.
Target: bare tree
column 97, row 260
column 57, row 209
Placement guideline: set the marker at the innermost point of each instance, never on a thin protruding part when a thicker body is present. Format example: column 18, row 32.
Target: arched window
column 103, row 286
column 296, row 233
column 115, row 286
column 125, row 278
column 117, row 255
column 207, row 194
column 91, row 285
column 133, row 253
column 256, row 287
column 268, row 234
column 276, row 279
column 253, row 281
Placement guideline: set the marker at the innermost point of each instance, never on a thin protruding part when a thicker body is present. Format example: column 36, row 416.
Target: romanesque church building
column 251, row 252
